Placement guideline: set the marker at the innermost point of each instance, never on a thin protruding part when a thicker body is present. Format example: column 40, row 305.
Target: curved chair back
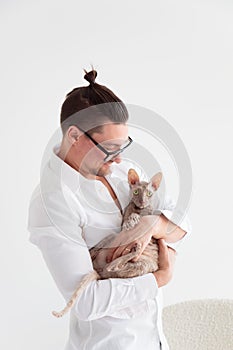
column 199, row 325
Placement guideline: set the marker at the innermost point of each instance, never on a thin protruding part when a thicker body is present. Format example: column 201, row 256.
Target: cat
column 141, row 194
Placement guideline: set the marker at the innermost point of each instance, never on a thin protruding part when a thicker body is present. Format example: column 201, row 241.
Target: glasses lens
column 111, row 156
column 116, row 153
column 125, row 145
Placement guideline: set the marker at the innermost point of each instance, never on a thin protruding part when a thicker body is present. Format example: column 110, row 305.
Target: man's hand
column 127, row 240
column 166, row 263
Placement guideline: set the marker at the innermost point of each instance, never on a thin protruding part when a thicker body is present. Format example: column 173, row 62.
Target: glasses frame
column 108, row 154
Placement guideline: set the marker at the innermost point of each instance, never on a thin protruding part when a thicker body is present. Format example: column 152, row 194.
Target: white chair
column 199, row 325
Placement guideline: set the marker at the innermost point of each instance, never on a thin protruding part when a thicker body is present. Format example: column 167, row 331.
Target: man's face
column 111, row 138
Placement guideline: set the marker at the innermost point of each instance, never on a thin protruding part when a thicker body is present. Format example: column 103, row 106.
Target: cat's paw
column 135, row 218
column 132, row 220
column 127, row 226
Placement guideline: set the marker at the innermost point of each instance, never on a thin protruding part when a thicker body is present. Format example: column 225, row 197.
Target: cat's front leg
column 132, row 220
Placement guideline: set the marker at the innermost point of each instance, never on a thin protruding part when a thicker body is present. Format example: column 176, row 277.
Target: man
column 81, row 198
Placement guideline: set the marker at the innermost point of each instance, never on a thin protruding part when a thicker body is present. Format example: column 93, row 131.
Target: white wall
column 172, row 57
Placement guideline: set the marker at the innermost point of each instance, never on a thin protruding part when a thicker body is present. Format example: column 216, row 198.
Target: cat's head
column 142, row 192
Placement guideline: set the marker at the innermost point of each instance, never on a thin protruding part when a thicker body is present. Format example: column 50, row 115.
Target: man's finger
column 163, row 250
column 161, row 243
column 109, row 256
column 139, row 252
column 118, row 252
column 126, row 251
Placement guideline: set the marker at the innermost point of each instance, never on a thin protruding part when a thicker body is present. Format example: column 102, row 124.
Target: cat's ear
column 156, row 180
column 133, row 177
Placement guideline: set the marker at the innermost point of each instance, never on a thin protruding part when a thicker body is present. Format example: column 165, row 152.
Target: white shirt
column 69, row 214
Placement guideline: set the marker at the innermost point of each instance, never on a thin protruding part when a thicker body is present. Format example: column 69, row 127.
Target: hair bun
column 90, row 76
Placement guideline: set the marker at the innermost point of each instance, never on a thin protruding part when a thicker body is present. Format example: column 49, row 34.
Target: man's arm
column 174, row 233
column 140, row 235
column 166, row 262
column 69, row 261
column 168, row 230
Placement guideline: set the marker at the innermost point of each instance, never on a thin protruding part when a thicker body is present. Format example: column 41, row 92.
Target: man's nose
column 117, row 159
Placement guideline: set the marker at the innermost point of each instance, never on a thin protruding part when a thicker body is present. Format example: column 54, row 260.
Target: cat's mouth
column 142, row 206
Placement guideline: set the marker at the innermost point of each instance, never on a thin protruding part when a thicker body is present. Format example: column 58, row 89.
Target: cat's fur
column 140, row 204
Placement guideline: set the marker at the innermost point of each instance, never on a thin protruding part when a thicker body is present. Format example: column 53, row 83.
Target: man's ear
column 73, row 133
column 133, row 177
column 156, row 180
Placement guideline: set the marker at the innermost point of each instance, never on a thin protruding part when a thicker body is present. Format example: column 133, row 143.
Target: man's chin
column 105, row 169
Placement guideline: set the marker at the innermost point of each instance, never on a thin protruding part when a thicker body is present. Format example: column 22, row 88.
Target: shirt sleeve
column 185, row 224
column 58, row 235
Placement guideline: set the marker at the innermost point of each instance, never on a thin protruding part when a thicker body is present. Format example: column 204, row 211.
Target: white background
column 174, row 57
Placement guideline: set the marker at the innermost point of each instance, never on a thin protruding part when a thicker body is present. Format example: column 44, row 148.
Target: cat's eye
column 149, row 193
column 135, row 192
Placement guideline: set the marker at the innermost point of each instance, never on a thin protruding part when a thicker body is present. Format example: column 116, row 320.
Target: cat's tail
column 92, row 276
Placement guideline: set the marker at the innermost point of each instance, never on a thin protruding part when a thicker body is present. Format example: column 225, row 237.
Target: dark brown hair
column 89, row 107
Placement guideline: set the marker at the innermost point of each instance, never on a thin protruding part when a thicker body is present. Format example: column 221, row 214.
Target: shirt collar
column 68, row 175
column 64, row 171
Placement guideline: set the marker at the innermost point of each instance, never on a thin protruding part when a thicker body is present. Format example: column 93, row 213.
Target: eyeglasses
column 109, row 155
